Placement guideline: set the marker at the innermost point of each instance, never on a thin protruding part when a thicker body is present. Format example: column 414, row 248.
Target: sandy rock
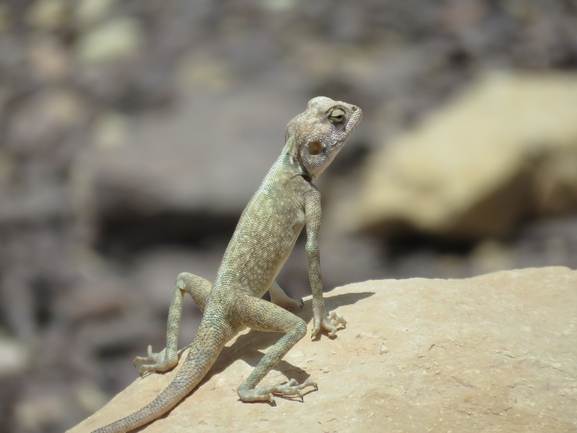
column 48, row 59
column 495, row 353
column 14, row 357
column 198, row 72
column 503, row 150
column 40, row 412
column 89, row 12
column 48, row 14
column 4, row 17
column 110, row 129
column 39, row 121
column 114, row 40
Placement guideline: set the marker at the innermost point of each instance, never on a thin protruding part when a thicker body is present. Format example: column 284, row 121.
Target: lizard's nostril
column 354, row 108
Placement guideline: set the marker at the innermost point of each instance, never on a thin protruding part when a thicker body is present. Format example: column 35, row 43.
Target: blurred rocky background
column 133, row 132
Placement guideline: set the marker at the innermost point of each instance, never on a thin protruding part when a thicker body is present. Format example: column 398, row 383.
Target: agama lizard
column 286, row 202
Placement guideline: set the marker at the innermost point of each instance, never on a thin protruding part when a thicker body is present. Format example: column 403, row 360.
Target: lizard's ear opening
column 316, row 147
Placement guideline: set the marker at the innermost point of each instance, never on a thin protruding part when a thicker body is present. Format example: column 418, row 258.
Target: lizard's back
column 264, row 237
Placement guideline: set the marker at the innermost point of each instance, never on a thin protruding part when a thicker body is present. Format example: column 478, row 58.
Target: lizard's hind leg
column 280, row 298
column 262, row 315
column 199, row 289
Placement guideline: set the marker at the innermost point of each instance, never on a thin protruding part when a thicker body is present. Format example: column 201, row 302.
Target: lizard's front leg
column 262, row 315
column 199, row 289
column 321, row 320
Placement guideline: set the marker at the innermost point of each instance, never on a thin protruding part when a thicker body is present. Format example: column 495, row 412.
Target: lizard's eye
column 315, row 147
column 336, row 116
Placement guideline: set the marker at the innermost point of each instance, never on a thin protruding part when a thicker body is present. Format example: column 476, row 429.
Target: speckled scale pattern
column 286, row 202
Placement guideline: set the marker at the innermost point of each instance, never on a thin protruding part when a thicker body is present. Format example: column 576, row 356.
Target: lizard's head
column 320, row 132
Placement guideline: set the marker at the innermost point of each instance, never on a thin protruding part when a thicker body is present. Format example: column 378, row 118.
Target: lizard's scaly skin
column 285, row 203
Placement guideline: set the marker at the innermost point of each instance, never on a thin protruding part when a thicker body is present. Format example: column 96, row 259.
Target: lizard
column 286, row 203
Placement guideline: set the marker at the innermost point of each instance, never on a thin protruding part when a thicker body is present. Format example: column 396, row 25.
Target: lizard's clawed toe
column 330, row 322
column 144, row 359
column 154, row 362
column 266, row 393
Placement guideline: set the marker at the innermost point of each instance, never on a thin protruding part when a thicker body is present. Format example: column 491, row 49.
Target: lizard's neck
column 289, row 162
column 286, row 167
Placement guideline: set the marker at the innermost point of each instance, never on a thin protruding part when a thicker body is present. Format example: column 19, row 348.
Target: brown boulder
column 503, row 150
column 495, row 353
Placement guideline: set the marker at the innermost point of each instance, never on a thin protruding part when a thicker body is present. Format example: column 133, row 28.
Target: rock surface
column 494, row 353
column 503, row 150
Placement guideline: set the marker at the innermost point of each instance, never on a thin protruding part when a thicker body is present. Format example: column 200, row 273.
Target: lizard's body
column 266, row 233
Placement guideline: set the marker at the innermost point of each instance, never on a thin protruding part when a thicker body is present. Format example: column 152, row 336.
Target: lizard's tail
column 203, row 353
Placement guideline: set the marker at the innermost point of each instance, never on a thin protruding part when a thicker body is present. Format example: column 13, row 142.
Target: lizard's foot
column 289, row 303
column 267, row 393
column 158, row 362
column 330, row 323
column 280, row 298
